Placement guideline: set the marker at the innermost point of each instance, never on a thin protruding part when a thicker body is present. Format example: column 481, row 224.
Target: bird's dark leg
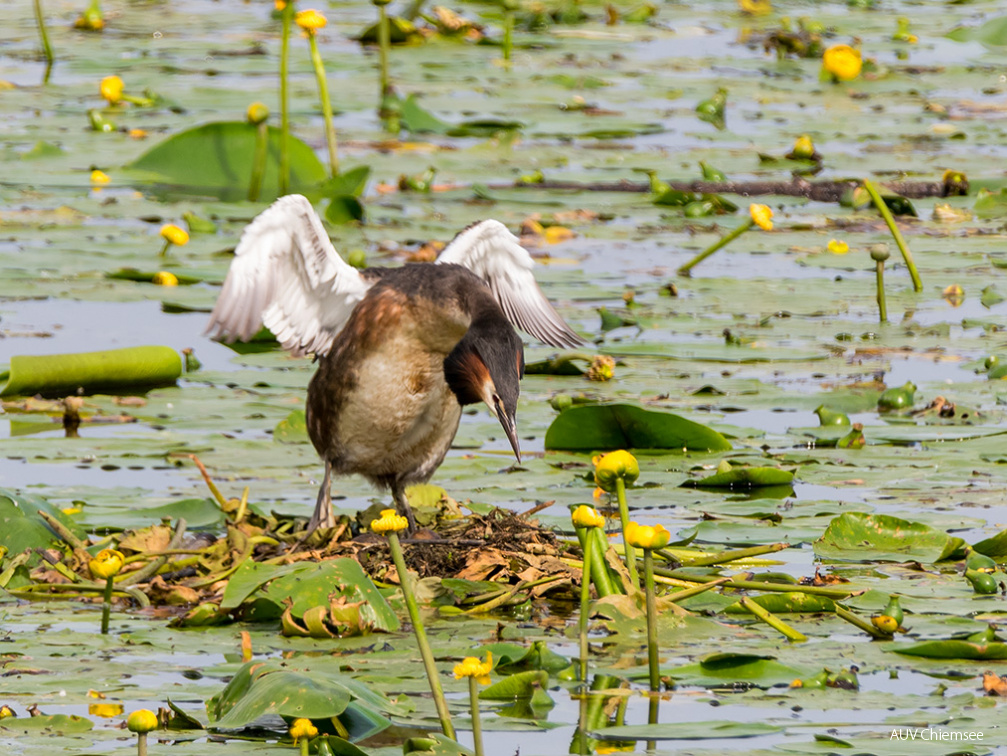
column 323, row 517
column 402, row 504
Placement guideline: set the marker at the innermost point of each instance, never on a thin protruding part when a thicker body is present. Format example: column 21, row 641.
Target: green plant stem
column 288, row 16
column 323, row 94
column 141, row 744
column 652, row 662
column 690, row 592
column 508, row 35
column 773, row 621
column 164, row 249
column 879, row 203
column 652, row 621
column 600, row 575
column 46, row 44
column 106, row 605
column 844, row 613
column 882, row 308
column 421, row 637
column 620, row 492
column 258, row 161
column 477, row 725
column 585, row 606
column 732, row 555
column 384, row 43
column 723, row 242
column 756, row 585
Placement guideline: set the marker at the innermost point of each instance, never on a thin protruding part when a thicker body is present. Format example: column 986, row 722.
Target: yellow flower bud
column 175, row 234
column 310, row 20
column 389, row 522
column 99, row 177
column 838, row 247
column 602, row 368
column 303, row 728
column 6, row 711
column 111, row 89
column 587, row 517
column 141, row 720
column 762, row 215
column 614, row 465
column 472, row 667
column 107, row 563
column 137, row 134
column 105, row 710
column 257, row 113
column 164, row 278
column 804, row 148
column 646, row 536
column 842, row 62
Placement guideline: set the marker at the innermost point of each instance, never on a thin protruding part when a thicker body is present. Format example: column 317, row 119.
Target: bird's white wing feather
column 494, row 254
column 287, row 276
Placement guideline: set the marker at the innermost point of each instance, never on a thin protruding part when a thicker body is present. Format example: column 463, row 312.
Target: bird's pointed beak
column 509, row 423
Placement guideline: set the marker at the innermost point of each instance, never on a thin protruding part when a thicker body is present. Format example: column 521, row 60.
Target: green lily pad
column 216, row 159
column 744, row 477
column 954, row 649
column 626, row 426
column 721, row 729
column 21, row 526
column 718, row 670
column 862, row 537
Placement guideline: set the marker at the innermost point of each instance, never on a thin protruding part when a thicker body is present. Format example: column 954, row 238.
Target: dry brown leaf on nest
column 161, row 592
column 486, row 564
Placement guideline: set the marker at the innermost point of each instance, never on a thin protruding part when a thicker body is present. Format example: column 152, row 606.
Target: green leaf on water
column 293, row 429
column 626, row 426
column 434, row 745
column 215, row 159
column 131, row 369
column 993, row 33
column 21, row 526
column 744, row 477
column 995, row 546
column 516, row 686
column 954, row 649
column 266, row 688
column 512, row 657
column 862, row 537
column 686, row 731
column 717, row 670
column 794, row 602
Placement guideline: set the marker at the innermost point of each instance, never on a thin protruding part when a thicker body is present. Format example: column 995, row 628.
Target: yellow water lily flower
column 175, row 234
column 99, row 177
column 303, row 728
column 587, row 517
column 613, row 466
column 310, row 20
column 842, row 61
column 137, row 134
column 164, row 278
column 756, row 7
column 472, row 667
column 6, row 711
column 111, row 88
column 837, row 247
column 141, row 720
column 647, row 536
column 107, row 563
column 762, row 215
column 389, row 522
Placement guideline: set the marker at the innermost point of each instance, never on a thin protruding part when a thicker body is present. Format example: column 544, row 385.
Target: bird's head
column 486, row 366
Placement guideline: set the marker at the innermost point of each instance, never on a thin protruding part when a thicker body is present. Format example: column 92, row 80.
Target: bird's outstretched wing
column 494, row 254
column 287, row 276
